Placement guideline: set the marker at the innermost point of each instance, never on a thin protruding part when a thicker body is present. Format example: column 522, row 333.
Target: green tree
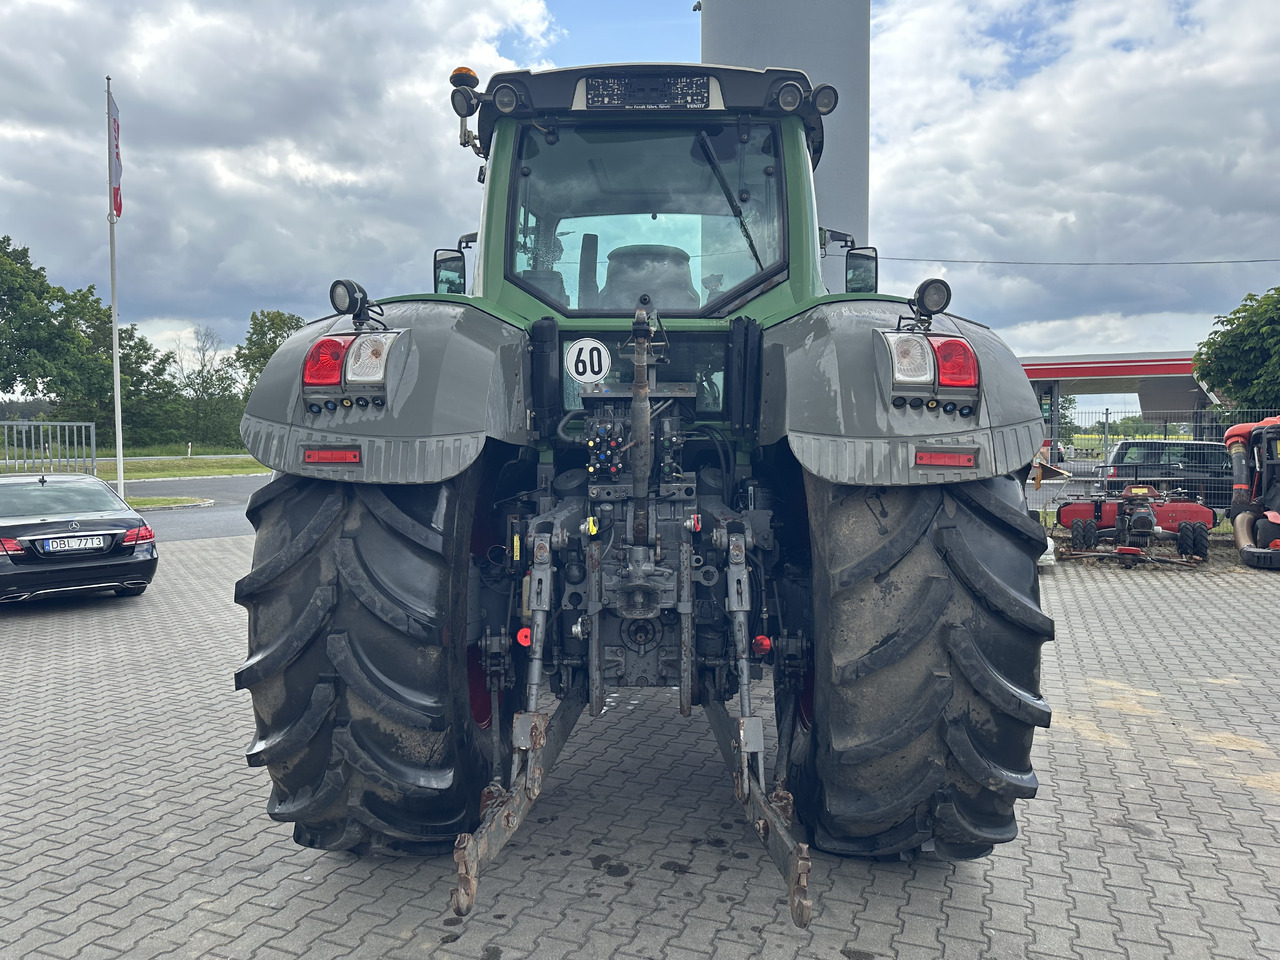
column 1067, row 426
column 55, row 345
column 1242, row 359
column 267, row 330
column 30, row 343
column 82, row 390
column 212, row 401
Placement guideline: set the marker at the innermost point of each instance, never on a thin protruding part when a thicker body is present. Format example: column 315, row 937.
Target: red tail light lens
column 323, row 366
column 11, row 547
column 957, row 363
column 142, row 534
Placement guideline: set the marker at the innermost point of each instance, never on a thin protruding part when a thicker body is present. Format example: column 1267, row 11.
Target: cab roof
column 648, row 91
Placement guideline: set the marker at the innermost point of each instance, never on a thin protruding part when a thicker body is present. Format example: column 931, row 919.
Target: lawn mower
column 1134, row 523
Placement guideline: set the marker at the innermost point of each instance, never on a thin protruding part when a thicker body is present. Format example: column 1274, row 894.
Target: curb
column 175, row 506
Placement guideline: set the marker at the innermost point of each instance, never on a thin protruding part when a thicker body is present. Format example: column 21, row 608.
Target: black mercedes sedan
column 70, row 533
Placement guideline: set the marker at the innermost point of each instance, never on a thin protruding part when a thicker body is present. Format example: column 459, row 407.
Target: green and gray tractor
column 638, row 444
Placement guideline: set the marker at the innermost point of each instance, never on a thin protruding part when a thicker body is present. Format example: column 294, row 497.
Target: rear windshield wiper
column 705, row 142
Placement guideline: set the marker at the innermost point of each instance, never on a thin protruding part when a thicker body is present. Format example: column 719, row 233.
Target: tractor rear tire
column 1090, row 534
column 926, row 685
column 358, row 662
column 1077, row 534
column 1200, row 540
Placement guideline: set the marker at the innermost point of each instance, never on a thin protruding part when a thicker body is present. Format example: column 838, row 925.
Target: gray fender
column 827, row 390
column 455, row 375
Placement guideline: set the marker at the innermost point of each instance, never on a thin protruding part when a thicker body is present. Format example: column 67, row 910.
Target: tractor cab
column 682, row 188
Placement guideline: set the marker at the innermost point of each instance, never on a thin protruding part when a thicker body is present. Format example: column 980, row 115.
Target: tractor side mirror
column 450, row 272
column 861, row 270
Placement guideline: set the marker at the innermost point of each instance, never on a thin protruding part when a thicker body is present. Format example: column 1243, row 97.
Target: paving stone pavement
column 130, row 825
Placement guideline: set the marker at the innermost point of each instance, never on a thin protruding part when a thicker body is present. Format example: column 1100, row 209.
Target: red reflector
column 331, row 456
column 944, row 459
column 761, row 645
column 323, row 366
column 10, row 546
column 957, row 363
column 524, row 637
column 1129, row 551
column 142, row 534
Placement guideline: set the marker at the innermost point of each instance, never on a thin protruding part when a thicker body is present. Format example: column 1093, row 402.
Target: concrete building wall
column 831, row 41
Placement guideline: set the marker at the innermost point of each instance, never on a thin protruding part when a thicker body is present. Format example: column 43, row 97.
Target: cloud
column 1078, row 131
column 267, row 148
column 1118, row 333
column 271, row 147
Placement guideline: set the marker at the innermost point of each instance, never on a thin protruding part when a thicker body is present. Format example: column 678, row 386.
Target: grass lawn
column 184, row 467
column 173, row 450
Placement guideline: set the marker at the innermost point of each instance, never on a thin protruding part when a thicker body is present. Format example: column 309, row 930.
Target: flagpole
column 115, row 316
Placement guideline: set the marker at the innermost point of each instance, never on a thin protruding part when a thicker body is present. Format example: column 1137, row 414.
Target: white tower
column 831, row 41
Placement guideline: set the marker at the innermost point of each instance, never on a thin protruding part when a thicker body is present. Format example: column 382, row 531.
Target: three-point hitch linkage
column 538, row 737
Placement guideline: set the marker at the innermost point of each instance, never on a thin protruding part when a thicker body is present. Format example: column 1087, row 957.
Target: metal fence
column 1088, row 438
column 30, row 446
column 1093, row 433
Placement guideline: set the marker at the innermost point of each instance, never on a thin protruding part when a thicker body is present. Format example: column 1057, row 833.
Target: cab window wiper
column 705, row 142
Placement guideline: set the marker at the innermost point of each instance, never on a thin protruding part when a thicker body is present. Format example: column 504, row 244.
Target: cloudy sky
column 271, row 147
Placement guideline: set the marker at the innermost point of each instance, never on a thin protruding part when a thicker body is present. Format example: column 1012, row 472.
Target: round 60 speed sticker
column 587, row 360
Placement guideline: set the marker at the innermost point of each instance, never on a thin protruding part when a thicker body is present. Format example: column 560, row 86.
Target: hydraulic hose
column 564, row 422
column 1241, row 476
column 1242, row 531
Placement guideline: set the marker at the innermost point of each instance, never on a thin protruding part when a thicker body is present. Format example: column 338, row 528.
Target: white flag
column 113, row 151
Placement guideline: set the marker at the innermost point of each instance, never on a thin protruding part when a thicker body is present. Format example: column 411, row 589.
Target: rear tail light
column 10, row 547
column 913, row 361
column 142, row 534
column 323, row 366
column 367, row 358
column 957, row 363
column 939, row 360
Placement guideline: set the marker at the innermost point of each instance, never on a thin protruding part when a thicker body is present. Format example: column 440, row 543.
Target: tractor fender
column 827, row 388
column 455, row 376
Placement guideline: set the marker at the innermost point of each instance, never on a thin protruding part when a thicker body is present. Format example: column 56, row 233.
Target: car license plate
column 73, row 543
